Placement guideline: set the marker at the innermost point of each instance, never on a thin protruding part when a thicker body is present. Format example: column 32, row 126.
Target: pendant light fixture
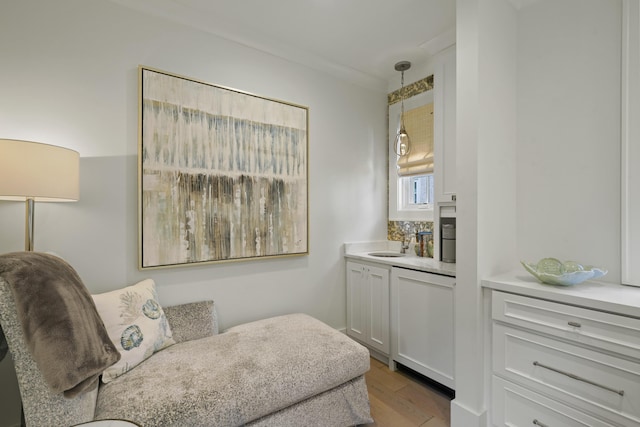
column 402, row 144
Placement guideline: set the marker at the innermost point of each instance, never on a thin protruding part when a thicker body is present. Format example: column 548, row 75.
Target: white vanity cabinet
column 557, row 364
column 422, row 329
column 368, row 305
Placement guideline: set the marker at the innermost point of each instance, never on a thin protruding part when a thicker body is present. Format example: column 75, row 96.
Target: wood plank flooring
column 398, row 400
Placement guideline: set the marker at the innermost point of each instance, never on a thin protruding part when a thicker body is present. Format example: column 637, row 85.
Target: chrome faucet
column 406, row 242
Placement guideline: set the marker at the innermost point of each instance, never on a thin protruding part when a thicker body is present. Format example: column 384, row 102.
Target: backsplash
column 410, row 90
column 396, row 229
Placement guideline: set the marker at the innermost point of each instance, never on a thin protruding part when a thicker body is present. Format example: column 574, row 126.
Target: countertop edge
column 410, row 262
column 602, row 296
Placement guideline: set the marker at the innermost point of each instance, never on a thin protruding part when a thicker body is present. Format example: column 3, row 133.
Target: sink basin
column 386, row 254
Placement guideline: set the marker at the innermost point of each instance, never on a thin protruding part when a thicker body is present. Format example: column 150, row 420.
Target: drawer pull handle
column 578, row 378
column 575, row 324
column 539, row 424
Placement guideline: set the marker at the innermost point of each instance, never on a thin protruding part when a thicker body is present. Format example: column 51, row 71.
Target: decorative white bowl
column 555, row 272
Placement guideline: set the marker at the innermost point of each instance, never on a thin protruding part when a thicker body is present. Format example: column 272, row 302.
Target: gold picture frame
column 222, row 174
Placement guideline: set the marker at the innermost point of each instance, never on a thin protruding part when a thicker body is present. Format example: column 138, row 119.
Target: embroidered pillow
column 135, row 323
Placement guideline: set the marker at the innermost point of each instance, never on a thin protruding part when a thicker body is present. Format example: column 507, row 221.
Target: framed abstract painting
column 222, row 174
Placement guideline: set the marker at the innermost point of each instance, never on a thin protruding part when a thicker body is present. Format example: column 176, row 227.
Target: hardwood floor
column 398, row 400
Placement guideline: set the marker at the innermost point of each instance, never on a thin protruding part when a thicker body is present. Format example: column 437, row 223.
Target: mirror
column 411, row 198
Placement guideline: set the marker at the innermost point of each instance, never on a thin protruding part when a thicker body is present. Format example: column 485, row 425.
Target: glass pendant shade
column 402, row 145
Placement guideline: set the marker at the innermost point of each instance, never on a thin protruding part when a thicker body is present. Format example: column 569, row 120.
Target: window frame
column 406, row 193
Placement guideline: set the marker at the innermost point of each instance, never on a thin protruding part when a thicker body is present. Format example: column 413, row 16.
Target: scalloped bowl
column 555, row 272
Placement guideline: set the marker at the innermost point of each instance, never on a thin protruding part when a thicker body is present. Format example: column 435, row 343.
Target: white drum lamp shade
column 35, row 172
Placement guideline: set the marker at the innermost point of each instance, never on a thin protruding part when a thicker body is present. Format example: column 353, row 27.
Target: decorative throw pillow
column 192, row 321
column 135, row 323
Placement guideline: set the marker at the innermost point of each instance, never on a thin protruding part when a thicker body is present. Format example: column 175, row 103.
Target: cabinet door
column 368, row 305
column 356, row 298
column 630, row 230
column 377, row 280
column 445, row 128
column 422, row 323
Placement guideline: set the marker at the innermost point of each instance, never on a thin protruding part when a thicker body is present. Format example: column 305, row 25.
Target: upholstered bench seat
column 121, row 355
column 286, row 363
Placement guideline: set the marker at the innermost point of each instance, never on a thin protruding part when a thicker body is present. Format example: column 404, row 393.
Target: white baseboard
column 461, row 416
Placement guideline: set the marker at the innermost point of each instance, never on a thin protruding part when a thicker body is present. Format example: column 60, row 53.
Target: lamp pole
column 29, row 224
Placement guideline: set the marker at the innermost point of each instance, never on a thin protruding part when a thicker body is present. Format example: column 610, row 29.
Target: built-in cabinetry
column 444, row 128
column 422, row 331
column 557, row 364
column 403, row 315
column 445, row 172
column 368, row 305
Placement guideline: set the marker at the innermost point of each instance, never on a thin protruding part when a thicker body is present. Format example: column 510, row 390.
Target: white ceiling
column 360, row 40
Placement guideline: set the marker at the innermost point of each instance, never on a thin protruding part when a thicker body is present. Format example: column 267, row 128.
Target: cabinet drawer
column 604, row 385
column 515, row 406
column 612, row 332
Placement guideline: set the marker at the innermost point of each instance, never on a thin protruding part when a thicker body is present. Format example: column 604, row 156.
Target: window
column 417, row 192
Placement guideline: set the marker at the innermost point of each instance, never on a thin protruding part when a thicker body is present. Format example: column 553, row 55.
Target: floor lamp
column 33, row 172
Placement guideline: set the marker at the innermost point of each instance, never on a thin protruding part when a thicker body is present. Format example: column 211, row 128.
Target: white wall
column 569, row 132
column 69, row 77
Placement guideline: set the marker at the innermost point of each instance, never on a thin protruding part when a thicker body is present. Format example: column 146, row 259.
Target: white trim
column 442, row 41
column 461, row 416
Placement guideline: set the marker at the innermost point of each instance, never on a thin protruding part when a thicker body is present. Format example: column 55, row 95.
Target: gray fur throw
column 63, row 330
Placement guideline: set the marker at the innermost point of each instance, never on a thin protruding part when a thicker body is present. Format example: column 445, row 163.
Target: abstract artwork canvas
column 222, row 173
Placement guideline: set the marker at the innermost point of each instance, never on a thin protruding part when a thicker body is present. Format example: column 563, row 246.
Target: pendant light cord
column 402, row 98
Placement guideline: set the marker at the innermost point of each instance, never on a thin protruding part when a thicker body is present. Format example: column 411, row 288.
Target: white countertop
column 360, row 251
column 602, row 296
